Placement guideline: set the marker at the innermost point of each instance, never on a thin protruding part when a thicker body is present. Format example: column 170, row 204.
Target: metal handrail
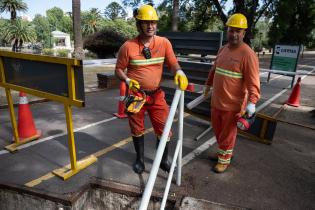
column 178, row 99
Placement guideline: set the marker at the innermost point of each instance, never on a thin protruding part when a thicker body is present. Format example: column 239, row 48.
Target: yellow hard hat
column 237, row 20
column 147, row 12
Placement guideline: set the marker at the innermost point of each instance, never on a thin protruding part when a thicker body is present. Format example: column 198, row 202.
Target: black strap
column 151, row 92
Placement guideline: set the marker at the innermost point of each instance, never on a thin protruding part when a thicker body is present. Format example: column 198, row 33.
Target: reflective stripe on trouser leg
column 224, row 126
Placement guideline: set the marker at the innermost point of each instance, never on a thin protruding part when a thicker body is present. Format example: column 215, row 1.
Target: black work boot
column 138, row 143
column 165, row 164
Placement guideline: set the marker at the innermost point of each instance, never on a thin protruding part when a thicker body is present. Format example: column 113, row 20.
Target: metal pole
column 156, row 163
column 275, row 71
column 170, row 176
column 204, row 133
column 180, row 138
column 71, row 143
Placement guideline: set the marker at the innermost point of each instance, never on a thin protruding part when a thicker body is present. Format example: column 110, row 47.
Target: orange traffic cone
column 294, row 99
column 121, row 105
column 191, row 87
column 26, row 126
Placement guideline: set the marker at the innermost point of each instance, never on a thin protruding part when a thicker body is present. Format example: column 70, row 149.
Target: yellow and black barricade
column 54, row 78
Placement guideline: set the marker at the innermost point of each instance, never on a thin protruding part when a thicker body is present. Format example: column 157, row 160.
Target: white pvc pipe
column 275, row 71
column 170, row 176
column 178, row 153
column 156, row 163
column 204, row 133
column 180, row 138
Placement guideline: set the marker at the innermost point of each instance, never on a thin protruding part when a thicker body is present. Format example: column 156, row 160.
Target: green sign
column 285, row 57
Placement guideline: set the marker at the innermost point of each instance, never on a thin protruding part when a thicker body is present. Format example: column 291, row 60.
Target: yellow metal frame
column 75, row 166
column 70, row 63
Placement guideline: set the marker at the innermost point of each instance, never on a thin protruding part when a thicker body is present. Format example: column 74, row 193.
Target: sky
column 40, row 6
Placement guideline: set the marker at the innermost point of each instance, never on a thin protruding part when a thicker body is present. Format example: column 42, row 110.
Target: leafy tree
column 55, row 16
column 135, row 3
column 252, row 9
column 3, row 22
column 59, row 21
column 19, row 32
column 126, row 28
column 66, row 24
column 78, row 42
column 261, row 34
column 12, row 6
column 91, row 21
column 198, row 15
column 114, row 11
column 293, row 22
column 42, row 30
column 165, row 17
column 201, row 14
column 105, row 43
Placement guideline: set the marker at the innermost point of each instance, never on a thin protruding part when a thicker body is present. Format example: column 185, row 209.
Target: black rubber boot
column 165, row 164
column 138, row 143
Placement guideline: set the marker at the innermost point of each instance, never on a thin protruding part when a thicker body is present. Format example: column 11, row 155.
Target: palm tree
column 12, row 6
column 90, row 21
column 78, row 43
column 175, row 15
column 114, row 11
column 18, row 32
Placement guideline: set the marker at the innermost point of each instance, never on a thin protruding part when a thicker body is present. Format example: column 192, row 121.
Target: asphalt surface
column 276, row 176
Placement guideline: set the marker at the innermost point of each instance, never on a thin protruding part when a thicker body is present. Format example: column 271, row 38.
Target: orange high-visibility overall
column 148, row 72
column 235, row 81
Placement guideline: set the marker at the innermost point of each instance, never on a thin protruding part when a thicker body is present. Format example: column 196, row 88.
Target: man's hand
column 250, row 109
column 133, row 84
column 181, row 80
column 207, row 90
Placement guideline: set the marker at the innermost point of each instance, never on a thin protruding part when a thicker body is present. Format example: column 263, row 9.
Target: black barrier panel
column 202, row 109
column 195, row 71
column 205, row 43
column 79, row 85
column 47, row 77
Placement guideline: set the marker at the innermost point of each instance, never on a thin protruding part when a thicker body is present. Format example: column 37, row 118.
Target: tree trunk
column 76, row 16
column 175, row 15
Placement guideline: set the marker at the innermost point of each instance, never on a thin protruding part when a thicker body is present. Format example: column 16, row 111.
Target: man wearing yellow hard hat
column 144, row 57
column 234, row 85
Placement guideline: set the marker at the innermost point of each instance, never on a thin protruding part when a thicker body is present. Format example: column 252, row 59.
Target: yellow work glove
column 181, row 80
column 133, row 84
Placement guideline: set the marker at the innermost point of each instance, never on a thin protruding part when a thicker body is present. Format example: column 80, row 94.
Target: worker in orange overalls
column 233, row 83
column 143, row 57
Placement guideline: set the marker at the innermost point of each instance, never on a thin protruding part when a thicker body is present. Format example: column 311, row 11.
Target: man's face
column 148, row 27
column 235, row 36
